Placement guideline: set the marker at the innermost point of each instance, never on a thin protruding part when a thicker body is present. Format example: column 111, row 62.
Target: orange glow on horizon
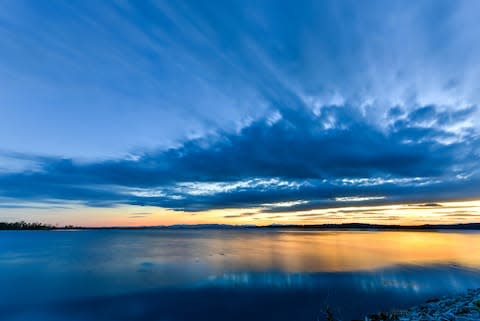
column 402, row 214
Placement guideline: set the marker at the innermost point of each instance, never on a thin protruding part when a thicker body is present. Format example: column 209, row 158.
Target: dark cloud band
column 333, row 158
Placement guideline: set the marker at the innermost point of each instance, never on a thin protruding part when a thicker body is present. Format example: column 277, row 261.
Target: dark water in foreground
column 227, row 274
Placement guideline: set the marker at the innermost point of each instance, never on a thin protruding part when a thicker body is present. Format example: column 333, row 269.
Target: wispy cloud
column 279, row 106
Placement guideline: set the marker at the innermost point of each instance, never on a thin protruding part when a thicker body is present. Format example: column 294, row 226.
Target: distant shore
column 24, row 226
column 464, row 307
column 346, row 226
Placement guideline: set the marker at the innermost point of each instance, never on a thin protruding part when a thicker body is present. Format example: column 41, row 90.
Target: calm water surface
column 227, row 274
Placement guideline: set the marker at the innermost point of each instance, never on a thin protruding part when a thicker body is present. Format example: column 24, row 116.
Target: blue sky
column 193, row 106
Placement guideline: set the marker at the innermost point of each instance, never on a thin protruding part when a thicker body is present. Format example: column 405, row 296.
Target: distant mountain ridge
column 464, row 226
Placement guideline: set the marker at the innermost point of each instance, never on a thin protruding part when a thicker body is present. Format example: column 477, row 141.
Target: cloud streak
column 204, row 105
column 295, row 160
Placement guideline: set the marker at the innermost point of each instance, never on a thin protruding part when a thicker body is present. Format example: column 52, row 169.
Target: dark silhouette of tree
column 22, row 225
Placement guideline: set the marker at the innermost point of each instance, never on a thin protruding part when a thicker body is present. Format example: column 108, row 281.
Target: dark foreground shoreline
column 463, row 307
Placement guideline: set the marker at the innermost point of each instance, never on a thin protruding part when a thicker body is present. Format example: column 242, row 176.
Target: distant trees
column 22, row 225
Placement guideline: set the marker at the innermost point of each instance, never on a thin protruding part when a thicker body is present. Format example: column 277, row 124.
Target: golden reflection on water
column 321, row 251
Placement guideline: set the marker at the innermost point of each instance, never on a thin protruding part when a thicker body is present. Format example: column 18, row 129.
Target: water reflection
column 413, row 280
column 255, row 275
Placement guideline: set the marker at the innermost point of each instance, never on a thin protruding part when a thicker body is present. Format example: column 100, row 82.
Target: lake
column 238, row 274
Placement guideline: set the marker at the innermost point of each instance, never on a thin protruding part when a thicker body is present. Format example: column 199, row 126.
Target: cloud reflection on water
column 156, row 274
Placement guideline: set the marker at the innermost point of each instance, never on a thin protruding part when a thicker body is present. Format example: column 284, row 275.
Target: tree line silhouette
column 22, row 225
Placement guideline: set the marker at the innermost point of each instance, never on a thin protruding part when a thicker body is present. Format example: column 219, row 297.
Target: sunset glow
column 399, row 214
column 259, row 160
column 159, row 113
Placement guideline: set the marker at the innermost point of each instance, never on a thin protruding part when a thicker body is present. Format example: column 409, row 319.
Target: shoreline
column 460, row 307
column 18, row 226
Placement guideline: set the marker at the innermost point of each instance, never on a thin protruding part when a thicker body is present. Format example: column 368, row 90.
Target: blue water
column 228, row 274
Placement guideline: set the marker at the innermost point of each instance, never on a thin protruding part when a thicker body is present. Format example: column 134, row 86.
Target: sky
column 239, row 112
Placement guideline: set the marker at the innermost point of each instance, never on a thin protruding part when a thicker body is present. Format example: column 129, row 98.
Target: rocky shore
column 464, row 307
